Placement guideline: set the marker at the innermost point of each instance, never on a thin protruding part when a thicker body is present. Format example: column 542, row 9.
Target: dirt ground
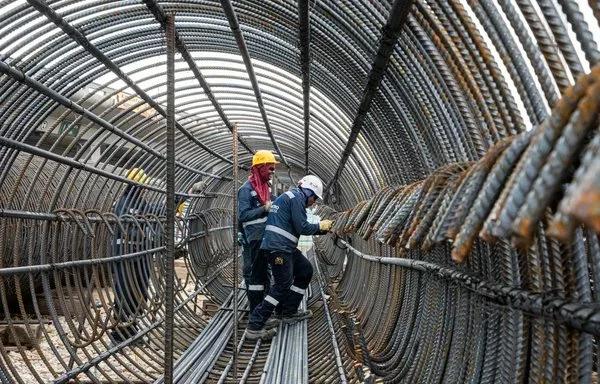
column 136, row 364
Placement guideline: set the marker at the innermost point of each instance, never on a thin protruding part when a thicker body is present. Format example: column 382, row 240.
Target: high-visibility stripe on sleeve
column 121, row 241
column 290, row 194
column 253, row 193
column 255, row 221
column 256, row 287
column 282, row 232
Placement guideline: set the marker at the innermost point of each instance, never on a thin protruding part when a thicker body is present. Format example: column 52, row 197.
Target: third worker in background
column 292, row 271
column 134, row 236
column 255, row 198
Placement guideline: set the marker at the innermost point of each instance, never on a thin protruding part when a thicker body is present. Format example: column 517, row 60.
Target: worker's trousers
column 258, row 283
column 292, row 273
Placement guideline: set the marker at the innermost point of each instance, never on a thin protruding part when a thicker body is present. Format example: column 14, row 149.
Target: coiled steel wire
column 74, row 272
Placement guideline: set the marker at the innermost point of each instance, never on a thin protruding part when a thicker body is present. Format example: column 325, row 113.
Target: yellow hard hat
column 137, row 174
column 263, row 157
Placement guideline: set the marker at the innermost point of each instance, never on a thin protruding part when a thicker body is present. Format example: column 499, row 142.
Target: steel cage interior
column 406, row 100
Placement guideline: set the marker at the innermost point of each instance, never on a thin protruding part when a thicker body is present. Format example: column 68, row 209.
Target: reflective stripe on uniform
column 272, row 300
column 253, row 193
column 282, row 232
column 290, row 194
column 256, row 221
column 121, row 241
column 256, row 287
column 293, row 288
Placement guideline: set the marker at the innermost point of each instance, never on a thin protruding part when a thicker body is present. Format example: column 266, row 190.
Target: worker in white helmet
column 292, row 272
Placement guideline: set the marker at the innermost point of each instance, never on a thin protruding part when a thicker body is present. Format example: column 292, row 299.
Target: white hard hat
column 199, row 186
column 313, row 183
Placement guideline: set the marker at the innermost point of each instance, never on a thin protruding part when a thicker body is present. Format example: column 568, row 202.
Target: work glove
column 325, row 225
column 267, row 206
column 241, row 240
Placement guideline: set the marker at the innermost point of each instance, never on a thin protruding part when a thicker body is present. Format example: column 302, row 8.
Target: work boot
column 265, row 334
column 301, row 314
column 273, row 322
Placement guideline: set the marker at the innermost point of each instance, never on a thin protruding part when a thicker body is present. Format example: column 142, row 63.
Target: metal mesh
column 458, row 140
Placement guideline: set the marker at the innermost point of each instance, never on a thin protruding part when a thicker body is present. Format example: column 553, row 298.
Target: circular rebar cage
column 458, row 140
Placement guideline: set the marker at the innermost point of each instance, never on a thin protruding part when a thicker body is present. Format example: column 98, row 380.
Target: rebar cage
column 459, row 145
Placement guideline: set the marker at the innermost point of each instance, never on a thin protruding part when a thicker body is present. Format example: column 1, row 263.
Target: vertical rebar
column 170, row 209
column 235, row 250
column 304, row 34
column 239, row 38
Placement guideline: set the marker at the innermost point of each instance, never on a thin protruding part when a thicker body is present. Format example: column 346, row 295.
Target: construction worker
column 291, row 270
column 198, row 187
column 181, row 225
column 254, row 202
column 131, row 276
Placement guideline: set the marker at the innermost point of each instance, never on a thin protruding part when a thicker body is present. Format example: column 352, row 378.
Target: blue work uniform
column 131, row 276
column 252, row 219
column 292, row 271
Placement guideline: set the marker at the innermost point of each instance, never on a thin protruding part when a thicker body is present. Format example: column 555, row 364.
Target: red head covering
column 259, row 179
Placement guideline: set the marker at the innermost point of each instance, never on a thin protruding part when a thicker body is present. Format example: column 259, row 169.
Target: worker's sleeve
column 245, row 210
column 179, row 200
column 299, row 219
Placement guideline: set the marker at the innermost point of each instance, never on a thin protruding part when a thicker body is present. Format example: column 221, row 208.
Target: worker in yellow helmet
column 254, row 198
column 131, row 276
